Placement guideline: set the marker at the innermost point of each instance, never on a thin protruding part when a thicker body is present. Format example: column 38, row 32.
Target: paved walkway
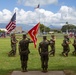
column 38, row 73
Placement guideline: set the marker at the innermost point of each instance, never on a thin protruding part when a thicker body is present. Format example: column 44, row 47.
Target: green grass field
column 9, row 64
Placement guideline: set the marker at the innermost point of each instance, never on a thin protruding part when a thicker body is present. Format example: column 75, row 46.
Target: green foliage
column 1, row 31
column 44, row 28
column 57, row 31
column 9, row 64
column 68, row 27
column 47, row 29
column 41, row 28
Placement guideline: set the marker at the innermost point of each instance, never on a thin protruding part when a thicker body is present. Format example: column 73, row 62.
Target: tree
column 66, row 22
column 1, row 31
column 44, row 28
column 41, row 28
column 68, row 27
column 47, row 29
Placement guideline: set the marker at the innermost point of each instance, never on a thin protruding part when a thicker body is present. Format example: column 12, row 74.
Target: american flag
column 37, row 6
column 12, row 24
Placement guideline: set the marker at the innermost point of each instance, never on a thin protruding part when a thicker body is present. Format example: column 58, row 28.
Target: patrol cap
column 44, row 37
column 52, row 35
column 74, row 35
column 24, row 35
column 65, row 35
column 12, row 34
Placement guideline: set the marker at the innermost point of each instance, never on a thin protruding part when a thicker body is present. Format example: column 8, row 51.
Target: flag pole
column 38, row 7
column 39, row 17
column 39, row 20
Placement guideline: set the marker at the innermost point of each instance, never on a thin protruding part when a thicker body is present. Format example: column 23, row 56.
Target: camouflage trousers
column 13, row 51
column 66, row 50
column 24, row 59
column 74, row 52
column 44, row 61
column 52, row 51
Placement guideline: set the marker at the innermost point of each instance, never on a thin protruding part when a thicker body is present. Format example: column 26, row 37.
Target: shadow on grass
column 69, row 54
column 7, row 72
column 70, row 71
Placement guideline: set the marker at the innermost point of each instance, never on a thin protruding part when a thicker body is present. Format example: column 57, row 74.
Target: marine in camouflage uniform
column 52, row 45
column 74, row 45
column 24, row 51
column 65, row 45
column 13, row 45
column 43, row 51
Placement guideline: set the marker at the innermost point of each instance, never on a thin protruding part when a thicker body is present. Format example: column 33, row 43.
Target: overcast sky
column 50, row 12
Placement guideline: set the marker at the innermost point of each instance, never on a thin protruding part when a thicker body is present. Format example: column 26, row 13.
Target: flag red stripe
column 12, row 24
column 9, row 25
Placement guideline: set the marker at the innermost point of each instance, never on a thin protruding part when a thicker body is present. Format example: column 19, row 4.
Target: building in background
column 3, row 32
column 18, row 29
column 3, row 29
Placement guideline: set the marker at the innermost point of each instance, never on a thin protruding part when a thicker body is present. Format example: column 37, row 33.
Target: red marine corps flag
column 33, row 32
column 12, row 24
